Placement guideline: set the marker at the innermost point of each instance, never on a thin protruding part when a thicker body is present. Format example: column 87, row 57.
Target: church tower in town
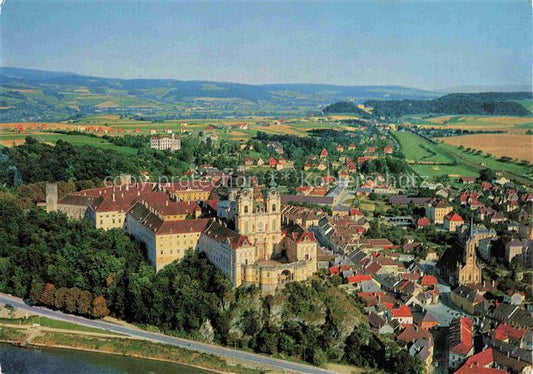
column 469, row 271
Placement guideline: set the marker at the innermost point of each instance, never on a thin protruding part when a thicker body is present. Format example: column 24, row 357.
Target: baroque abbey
column 259, row 251
column 242, row 236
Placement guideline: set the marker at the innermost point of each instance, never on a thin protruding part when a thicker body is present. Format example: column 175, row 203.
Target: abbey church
column 259, row 250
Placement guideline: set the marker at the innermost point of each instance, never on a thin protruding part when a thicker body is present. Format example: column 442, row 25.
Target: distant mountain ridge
column 28, row 94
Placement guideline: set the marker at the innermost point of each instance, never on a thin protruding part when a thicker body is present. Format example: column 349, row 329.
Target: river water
column 16, row 360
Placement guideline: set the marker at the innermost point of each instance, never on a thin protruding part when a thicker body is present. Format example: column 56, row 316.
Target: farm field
column 10, row 139
column 510, row 145
column 518, row 125
column 466, row 163
column 489, row 162
column 415, row 149
column 111, row 124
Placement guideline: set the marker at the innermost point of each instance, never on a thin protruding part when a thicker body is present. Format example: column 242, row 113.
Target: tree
column 99, row 307
column 36, row 291
column 318, row 357
column 47, row 294
column 71, row 298
column 83, row 303
column 487, row 175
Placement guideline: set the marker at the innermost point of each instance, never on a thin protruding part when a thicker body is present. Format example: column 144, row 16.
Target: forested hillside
column 481, row 104
column 490, row 103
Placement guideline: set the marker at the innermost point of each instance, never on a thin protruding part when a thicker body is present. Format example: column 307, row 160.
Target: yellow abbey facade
column 259, row 251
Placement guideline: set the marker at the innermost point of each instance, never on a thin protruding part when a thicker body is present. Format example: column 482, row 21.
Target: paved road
column 444, row 311
column 292, row 367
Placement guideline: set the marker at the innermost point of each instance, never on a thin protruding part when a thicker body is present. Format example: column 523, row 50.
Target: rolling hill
column 35, row 95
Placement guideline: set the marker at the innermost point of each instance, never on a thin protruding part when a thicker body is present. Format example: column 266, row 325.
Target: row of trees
column 72, row 300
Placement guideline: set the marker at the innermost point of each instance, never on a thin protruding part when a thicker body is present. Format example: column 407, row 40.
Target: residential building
column 452, row 221
column 437, row 209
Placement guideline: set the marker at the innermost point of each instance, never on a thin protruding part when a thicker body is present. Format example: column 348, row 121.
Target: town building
column 518, row 247
column 165, row 143
column 461, row 345
column 437, row 209
column 452, row 221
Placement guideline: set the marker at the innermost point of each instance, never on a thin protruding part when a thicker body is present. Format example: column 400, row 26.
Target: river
column 16, row 360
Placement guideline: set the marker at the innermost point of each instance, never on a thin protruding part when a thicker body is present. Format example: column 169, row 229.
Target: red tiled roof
column 454, row 217
column 423, row 221
column 480, row 364
column 411, row 334
column 429, row 280
column 505, row 331
column 373, row 268
column 355, row 212
column 401, row 311
column 461, row 336
column 182, row 226
column 358, row 278
column 217, row 232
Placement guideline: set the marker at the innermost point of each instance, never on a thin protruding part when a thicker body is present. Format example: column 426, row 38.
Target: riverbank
column 123, row 346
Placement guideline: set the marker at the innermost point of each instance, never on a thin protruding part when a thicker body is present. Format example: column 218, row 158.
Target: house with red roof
column 412, row 333
column 388, row 150
column 429, row 281
column 351, row 165
column 358, row 278
column 509, row 334
column 402, row 314
column 481, row 363
column 352, row 147
column 422, row 222
column 324, row 153
column 340, row 148
column 355, row 213
column 460, row 340
column 452, row 221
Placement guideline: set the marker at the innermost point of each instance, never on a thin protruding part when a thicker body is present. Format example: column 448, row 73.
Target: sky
column 431, row 45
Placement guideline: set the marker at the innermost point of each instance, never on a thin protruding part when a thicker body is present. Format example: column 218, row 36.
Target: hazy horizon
column 431, row 46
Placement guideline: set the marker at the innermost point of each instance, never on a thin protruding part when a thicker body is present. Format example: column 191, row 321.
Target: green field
column 48, row 322
column 434, row 171
column 416, row 150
